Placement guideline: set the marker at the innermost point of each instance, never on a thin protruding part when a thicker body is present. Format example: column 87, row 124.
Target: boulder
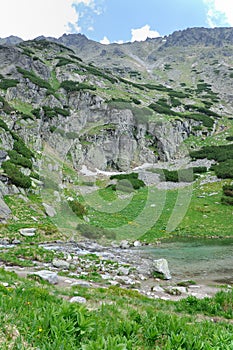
column 49, row 210
column 4, row 211
column 60, row 264
column 78, row 300
column 124, row 244
column 137, row 244
column 123, row 271
column 27, row 232
column 160, row 267
column 47, row 275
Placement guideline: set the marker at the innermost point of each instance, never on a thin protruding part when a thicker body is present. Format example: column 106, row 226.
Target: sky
column 109, row 21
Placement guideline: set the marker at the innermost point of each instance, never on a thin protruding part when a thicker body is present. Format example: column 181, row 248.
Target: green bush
column 228, row 190
column 8, row 83
column 97, row 72
column 3, row 125
column 62, row 111
column 71, row 86
column 63, row 61
column 206, row 120
column 127, row 182
column 175, row 102
column 94, row 232
column 18, row 159
column 36, row 112
column 20, row 147
column 6, row 107
column 182, row 175
column 199, row 169
column 224, row 170
column 124, row 176
column 49, row 112
column 15, row 175
column 35, row 79
column 77, row 208
column 227, row 200
column 218, row 153
column 227, row 197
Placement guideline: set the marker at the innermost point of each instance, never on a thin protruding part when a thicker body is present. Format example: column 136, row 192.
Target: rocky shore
column 88, row 264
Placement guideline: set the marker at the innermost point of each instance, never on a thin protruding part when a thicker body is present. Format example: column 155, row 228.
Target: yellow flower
column 40, row 330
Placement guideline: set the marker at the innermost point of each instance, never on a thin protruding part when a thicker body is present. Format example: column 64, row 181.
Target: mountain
column 11, row 40
column 112, row 107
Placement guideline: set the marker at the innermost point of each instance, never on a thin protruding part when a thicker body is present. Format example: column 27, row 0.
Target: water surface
column 197, row 259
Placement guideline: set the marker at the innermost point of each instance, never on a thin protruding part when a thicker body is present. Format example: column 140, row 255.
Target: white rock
column 78, row 300
column 137, row 244
column 27, row 232
column 161, row 266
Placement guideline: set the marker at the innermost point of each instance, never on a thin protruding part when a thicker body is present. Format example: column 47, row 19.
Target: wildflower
column 40, row 330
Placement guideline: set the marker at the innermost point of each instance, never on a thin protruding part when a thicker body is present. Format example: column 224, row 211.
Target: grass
column 26, row 255
column 202, row 217
column 35, row 315
column 144, row 213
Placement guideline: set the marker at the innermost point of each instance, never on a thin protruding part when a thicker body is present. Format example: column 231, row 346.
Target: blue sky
column 110, row 20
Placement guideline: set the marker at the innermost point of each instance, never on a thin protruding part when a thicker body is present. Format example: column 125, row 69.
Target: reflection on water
column 197, row 258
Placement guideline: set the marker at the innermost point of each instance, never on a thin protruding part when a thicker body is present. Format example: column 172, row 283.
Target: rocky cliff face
column 112, row 117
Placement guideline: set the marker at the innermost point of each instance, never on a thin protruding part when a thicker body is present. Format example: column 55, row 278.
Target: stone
column 27, row 232
column 60, row 264
column 4, row 210
column 160, row 267
column 137, row 244
column 124, row 244
column 3, row 155
column 5, row 241
column 16, row 241
column 47, row 275
column 78, row 300
column 25, row 199
column 157, row 289
column 81, row 283
column 49, row 210
column 5, row 284
column 123, row 271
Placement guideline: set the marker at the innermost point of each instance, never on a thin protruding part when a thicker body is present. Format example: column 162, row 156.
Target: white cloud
column 85, row 2
column 141, row 34
column 31, row 18
column 105, row 41
column 220, row 12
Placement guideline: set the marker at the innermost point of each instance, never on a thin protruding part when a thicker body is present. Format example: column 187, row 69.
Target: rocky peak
column 200, row 36
column 10, row 40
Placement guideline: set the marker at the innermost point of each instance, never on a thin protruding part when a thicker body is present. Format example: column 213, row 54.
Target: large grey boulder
column 160, row 267
column 60, row 264
column 48, row 276
column 49, row 210
column 4, row 210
